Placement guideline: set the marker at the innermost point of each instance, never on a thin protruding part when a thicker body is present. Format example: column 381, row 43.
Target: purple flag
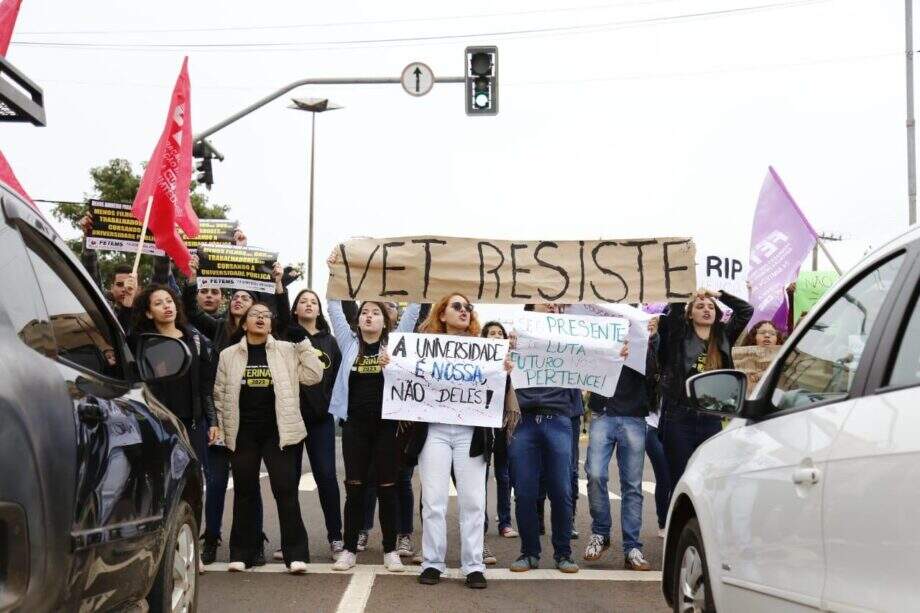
column 781, row 239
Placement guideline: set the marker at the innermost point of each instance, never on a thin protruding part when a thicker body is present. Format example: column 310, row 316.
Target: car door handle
column 91, row 414
column 806, row 476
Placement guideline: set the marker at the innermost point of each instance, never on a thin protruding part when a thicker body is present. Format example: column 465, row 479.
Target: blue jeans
column 543, row 440
column 682, row 431
column 320, row 444
column 627, row 436
column 655, row 453
column 218, row 476
column 576, row 456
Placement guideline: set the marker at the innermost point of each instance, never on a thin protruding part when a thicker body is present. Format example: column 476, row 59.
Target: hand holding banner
column 438, row 378
column 576, row 352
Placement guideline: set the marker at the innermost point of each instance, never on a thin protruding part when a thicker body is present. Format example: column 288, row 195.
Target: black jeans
column 682, row 431
column 255, row 443
column 369, row 441
column 320, row 444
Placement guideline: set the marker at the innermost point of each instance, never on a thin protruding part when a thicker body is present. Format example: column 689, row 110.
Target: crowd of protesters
column 270, row 378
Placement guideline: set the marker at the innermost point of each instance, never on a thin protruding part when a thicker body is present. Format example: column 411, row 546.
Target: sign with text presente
column 438, row 378
column 572, row 351
column 638, row 335
column 226, row 266
column 423, row 269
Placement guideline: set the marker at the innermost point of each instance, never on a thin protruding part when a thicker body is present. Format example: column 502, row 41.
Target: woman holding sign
column 367, row 439
column 256, row 393
column 439, row 447
column 693, row 339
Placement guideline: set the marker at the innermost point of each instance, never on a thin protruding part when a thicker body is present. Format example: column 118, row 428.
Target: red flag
column 9, row 10
column 168, row 176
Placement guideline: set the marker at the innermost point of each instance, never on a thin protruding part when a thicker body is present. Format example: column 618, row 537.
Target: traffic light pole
column 292, row 86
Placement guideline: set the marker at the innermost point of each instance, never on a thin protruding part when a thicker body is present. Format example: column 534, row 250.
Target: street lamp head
column 313, row 105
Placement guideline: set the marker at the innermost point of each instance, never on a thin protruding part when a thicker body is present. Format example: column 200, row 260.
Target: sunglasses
column 259, row 315
column 460, row 307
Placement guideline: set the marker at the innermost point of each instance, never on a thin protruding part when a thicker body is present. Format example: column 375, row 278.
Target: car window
column 906, row 369
column 82, row 333
column 823, row 362
column 23, row 306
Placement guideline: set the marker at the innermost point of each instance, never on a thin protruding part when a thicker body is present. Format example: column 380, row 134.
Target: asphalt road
column 601, row 586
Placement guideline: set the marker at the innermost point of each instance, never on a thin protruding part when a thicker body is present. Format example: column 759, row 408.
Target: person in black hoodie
column 693, row 339
column 308, row 321
column 157, row 310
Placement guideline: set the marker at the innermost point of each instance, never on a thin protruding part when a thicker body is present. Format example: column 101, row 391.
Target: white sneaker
column 278, row 555
column 236, row 567
column 404, row 546
column 392, row 562
column 345, row 561
column 362, row 540
column 661, row 533
column 336, row 547
column 201, row 569
column 298, row 568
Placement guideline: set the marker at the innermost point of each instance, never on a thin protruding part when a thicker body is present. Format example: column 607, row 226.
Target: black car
column 100, row 490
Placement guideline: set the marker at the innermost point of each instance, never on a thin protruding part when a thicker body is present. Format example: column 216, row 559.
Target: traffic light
column 203, row 156
column 481, row 80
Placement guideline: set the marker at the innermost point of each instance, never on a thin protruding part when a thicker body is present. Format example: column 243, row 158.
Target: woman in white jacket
column 257, row 397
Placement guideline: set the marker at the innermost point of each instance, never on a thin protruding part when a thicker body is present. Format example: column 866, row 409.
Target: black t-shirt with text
column 365, row 383
column 257, row 392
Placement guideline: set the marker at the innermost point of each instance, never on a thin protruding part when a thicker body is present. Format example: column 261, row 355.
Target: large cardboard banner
column 234, row 267
column 423, row 269
column 116, row 229
column 572, row 351
column 438, row 378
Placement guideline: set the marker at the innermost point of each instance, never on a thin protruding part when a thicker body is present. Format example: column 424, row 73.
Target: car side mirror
column 161, row 358
column 719, row 392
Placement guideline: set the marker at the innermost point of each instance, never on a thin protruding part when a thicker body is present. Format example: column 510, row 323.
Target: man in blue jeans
column 543, row 438
column 618, row 423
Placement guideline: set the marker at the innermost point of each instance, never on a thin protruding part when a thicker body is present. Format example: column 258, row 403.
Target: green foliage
column 116, row 181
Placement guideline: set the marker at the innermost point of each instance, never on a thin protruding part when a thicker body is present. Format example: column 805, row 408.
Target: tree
column 117, row 182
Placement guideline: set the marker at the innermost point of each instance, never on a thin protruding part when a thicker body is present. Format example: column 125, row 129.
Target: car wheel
column 692, row 593
column 176, row 587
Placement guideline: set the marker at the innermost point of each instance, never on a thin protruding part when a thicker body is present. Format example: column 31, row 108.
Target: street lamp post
column 313, row 106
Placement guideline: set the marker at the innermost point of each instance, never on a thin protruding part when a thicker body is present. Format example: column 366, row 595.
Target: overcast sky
column 617, row 119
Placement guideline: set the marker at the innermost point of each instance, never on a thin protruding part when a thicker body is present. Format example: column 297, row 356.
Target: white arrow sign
column 417, row 79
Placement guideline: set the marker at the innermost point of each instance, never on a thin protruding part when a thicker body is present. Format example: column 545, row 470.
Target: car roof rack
column 21, row 100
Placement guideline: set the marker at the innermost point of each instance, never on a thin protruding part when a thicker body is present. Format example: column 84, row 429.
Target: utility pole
column 911, row 145
column 819, row 245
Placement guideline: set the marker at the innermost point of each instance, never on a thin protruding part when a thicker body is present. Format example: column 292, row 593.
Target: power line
column 334, row 24
column 428, row 39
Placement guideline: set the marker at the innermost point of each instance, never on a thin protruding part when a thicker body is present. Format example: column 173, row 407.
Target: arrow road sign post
column 417, row 79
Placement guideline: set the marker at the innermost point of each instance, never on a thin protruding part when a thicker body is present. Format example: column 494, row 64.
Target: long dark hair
column 384, row 335
column 139, row 320
column 490, row 324
column 713, row 351
column 321, row 323
column 231, row 329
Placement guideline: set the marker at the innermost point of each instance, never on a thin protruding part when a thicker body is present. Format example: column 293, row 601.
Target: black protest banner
column 116, row 229
column 227, row 266
column 211, row 232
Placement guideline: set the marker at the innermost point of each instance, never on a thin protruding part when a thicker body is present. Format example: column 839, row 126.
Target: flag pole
column 140, row 243
column 828, row 254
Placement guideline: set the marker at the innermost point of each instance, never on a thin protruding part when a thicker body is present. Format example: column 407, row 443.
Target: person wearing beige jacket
column 257, row 397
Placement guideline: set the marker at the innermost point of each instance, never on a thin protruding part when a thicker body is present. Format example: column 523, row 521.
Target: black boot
column 209, row 549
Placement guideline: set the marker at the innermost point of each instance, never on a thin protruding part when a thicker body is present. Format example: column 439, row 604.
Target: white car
column 810, row 497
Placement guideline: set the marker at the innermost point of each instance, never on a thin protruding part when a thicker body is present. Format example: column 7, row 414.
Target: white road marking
column 307, row 483
column 230, row 480
column 358, row 592
column 497, row 574
column 583, row 490
column 451, row 490
column 648, row 487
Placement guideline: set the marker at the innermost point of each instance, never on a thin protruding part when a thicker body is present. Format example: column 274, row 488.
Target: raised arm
column 742, row 312
column 340, row 328
column 409, row 318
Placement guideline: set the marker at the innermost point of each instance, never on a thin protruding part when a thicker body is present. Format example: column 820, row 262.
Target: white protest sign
column 438, row 378
column 723, row 269
column 638, row 328
column 571, row 351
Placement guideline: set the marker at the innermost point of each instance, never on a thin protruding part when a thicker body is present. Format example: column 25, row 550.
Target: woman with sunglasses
column 439, row 447
column 257, row 397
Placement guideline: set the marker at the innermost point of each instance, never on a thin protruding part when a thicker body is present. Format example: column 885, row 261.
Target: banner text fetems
column 424, row 268
column 232, row 267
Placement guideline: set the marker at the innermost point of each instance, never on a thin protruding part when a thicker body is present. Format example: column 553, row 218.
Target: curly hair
column 751, row 339
column 139, row 320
